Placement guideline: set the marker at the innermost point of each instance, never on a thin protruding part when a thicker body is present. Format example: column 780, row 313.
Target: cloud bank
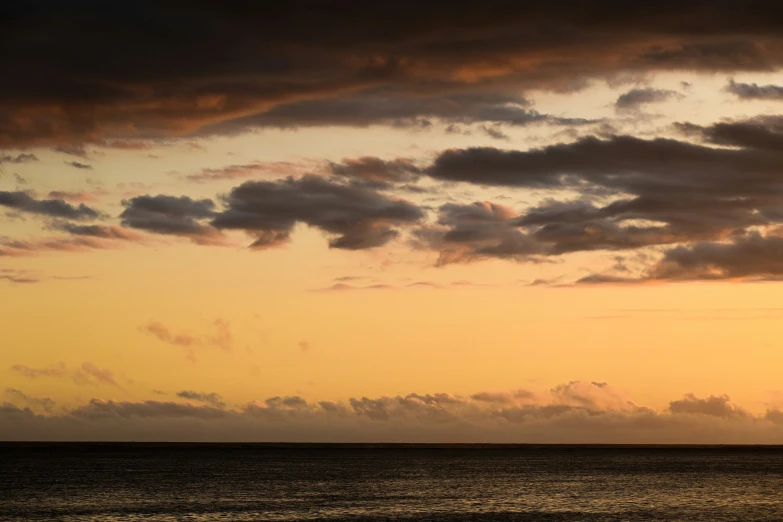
column 575, row 412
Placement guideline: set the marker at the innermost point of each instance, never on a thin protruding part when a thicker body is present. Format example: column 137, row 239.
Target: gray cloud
column 77, row 165
column 751, row 256
column 637, row 98
column 753, row 91
column 23, row 202
column 764, row 133
column 210, row 398
column 357, row 217
column 18, row 159
column 400, row 109
column 376, row 170
column 171, row 215
column 654, row 192
column 102, row 410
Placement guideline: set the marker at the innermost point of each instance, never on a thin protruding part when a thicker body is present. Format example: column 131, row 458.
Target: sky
column 379, row 223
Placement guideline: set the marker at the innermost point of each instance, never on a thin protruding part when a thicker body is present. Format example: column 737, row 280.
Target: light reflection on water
column 124, row 483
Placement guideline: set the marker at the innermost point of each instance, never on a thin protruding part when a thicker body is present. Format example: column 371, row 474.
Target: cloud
column 765, row 133
column 171, row 215
column 34, row 373
column 107, row 410
column 628, row 197
column 247, row 170
column 717, row 406
column 753, row 91
column 575, row 412
column 58, row 208
column 17, row 276
column 86, row 374
column 98, row 231
column 355, row 217
column 637, row 98
column 479, row 230
column 77, row 165
column 44, row 404
column 315, row 66
column 210, row 398
column 18, row 159
column 387, row 107
column 376, row 170
column 79, row 243
column 751, row 256
column 70, row 196
column 221, row 338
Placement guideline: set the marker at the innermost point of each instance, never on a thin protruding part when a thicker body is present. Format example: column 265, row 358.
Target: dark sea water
column 251, row 482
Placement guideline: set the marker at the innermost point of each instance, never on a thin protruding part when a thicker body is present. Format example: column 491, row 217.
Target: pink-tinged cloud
column 86, row 374
column 222, row 337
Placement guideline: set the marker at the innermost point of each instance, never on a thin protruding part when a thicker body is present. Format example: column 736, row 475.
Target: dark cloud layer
column 575, row 412
column 82, row 72
column 632, row 193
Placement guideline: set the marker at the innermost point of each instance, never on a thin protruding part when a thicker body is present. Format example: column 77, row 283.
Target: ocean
column 249, row 482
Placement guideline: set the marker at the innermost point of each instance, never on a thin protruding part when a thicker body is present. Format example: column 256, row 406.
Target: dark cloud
column 751, row 256
column 637, row 98
column 634, row 193
column 376, row 170
column 764, row 133
column 467, row 233
column 398, row 109
column 19, row 158
column 753, row 91
column 210, row 398
column 305, row 63
column 356, row 217
column 171, row 215
column 58, row 208
column 100, row 410
column 77, row 165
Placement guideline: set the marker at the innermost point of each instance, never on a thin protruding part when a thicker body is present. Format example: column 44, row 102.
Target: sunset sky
column 402, row 221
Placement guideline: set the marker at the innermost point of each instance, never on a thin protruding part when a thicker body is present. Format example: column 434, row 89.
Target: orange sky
column 143, row 316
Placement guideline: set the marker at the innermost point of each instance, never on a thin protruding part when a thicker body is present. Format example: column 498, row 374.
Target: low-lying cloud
column 575, row 412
